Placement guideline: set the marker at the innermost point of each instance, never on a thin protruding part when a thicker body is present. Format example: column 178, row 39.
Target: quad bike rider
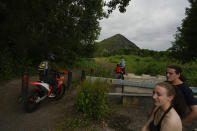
column 119, row 72
column 123, row 64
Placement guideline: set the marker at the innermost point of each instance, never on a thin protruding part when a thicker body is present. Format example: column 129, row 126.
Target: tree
column 184, row 47
column 30, row 29
column 39, row 27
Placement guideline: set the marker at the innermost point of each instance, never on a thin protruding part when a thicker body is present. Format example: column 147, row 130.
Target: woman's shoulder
column 172, row 120
column 172, row 117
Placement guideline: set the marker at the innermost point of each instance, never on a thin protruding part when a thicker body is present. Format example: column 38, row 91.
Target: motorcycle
column 43, row 91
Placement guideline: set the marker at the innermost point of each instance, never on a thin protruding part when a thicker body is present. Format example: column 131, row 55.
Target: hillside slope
column 113, row 43
column 117, row 41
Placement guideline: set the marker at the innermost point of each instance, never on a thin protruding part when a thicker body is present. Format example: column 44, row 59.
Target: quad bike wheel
column 119, row 76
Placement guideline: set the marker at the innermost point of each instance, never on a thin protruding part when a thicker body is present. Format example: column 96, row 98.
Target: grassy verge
column 155, row 66
column 93, row 68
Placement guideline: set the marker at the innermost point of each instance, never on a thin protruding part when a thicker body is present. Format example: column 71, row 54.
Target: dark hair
column 178, row 101
column 178, row 70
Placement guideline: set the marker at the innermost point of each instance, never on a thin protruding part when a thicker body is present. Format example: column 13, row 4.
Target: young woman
column 164, row 117
column 175, row 77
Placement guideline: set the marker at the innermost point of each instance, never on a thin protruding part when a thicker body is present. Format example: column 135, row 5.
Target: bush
column 190, row 72
column 92, row 99
column 90, row 64
column 11, row 67
column 151, row 68
column 102, row 72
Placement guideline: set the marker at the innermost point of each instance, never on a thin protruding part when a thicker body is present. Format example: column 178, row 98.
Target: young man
column 174, row 76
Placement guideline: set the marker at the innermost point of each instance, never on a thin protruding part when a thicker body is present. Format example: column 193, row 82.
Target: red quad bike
column 119, row 72
column 43, row 91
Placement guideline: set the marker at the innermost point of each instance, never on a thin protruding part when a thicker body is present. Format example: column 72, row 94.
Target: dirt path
column 14, row 118
column 52, row 113
column 105, row 64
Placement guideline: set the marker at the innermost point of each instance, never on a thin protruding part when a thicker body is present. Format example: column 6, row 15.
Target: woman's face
column 171, row 75
column 160, row 96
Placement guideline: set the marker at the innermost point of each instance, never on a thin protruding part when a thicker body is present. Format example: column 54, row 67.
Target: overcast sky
column 150, row 24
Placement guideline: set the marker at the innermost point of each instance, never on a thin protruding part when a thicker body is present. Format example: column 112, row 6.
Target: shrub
column 102, row 72
column 90, row 64
column 151, row 68
column 92, row 99
column 190, row 72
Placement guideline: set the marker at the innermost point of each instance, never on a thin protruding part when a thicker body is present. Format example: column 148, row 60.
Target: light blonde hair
column 170, row 89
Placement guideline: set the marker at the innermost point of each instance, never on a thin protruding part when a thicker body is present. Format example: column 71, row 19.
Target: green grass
column 97, row 69
column 154, row 66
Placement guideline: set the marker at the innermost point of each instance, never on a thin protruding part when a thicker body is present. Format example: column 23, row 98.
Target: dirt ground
column 52, row 114
column 13, row 117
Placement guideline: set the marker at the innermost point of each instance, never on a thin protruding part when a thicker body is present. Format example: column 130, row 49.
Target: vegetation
column 184, row 47
column 155, row 65
column 90, row 67
column 32, row 29
column 73, row 123
column 68, row 28
column 116, row 42
column 93, row 68
column 92, row 99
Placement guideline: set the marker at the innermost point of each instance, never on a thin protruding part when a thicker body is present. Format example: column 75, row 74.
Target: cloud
column 150, row 24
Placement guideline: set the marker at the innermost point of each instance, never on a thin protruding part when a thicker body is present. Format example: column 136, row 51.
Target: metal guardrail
column 133, row 94
column 131, row 83
column 129, row 94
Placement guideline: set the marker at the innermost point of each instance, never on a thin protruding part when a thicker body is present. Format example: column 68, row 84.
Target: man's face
column 171, row 75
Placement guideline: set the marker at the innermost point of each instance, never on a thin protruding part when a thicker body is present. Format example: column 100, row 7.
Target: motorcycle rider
column 48, row 71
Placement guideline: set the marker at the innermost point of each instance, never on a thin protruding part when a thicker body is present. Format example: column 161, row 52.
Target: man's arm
column 191, row 116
